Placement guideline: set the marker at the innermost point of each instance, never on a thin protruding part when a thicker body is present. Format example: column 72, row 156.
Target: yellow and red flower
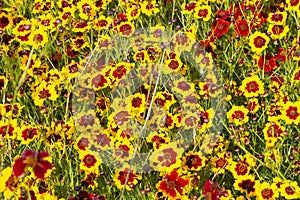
column 291, row 112
column 266, row 190
column 36, row 160
column 173, row 186
column 203, row 12
column 289, row 189
column 252, row 86
column 258, row 42
column 121, row 176
column 238, row 115
column 277, row 18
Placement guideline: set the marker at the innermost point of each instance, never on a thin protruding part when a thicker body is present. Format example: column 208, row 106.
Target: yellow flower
column 149, row 8
column 137, row 104
column 246, row 184
column 277, row 18
column 43, row 92
column 38, row 38
column 258, row 42
column 289, row 190
column 9, row 184
column 278, row 31
column 252, row 86
column 120, row 177
column 266, row 191
column 90, row 162
column 291, row 113
column 296, row 76
column 87, row 9
column 238, row 115
column 203, row 12
column 293, row 5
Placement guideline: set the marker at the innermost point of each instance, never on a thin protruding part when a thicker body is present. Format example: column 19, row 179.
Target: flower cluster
column 166, row 99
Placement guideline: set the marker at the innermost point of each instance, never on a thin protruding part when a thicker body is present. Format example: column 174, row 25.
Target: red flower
column 173, row 184
column 35, row 160
column 267, row 64
column 242, row 28
column 220, row 27
column 210, row 191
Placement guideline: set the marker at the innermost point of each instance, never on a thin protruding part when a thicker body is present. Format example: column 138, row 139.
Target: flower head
column 35, row 160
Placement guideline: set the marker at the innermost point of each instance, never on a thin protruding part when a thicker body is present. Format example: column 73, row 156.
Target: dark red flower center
column 259, row 42
column 289, row 190
column 292, row 112
column 137, row 102
column 267, row 193
column 252, row 87
column 238, row 115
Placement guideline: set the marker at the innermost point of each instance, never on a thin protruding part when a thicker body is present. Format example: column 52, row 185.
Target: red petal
column 29, row 153
column 43, row 155
column 39, row 172
column 46, row 165
column 19, row 167
column 174, row 175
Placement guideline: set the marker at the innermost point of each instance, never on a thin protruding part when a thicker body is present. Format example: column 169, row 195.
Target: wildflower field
column 149, row 99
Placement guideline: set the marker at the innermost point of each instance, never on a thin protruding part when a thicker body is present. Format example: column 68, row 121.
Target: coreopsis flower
column 101, row 23
column 296, row 76
column 122, row 150
column 220, row 163
column 246, row 184
column 289, row 189
column 238, row 115
column 82, row 143
column 35, row 160
column 167, row 157
column 272, row 132
column 3, row 82
column 133, row 12
column 158, row 140
column 291, row 112
column 252, row 86
column 242, row 167
column 9, row 128
column 242, row 28
column 211, row 190
column 87, row 9
column 137, row 104
column 149, row 8
column 172, row 65
column 5, row 21
column 277, row 18
column 267, row 63
column 266, row 190
column 9, row 183
column 203, row 12
column 44, row 91
column 258, row 42
column 276, row 111
column 121, row 175
column 38, row 38
column 183, row 87
column 193, row 161
column 126, row 29
column 293, row 5
column 82, row 26
column 278, row 31
column 220, row 27
column 173, row 186
column 188, row 8
column 28, row 133
column 253, row 105
column 89, row 162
